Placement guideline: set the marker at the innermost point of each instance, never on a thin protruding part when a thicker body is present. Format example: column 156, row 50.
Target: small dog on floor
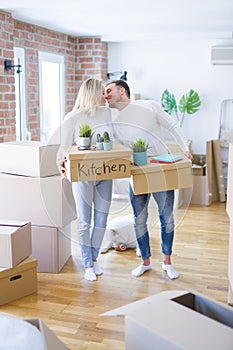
column 120, row 235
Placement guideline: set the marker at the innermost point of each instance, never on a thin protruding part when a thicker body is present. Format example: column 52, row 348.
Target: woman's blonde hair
column 89, row 96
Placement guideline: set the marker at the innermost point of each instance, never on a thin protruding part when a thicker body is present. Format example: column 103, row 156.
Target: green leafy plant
column 85, row 130
column 188, row 104
column 106, row 137
column 139, row 146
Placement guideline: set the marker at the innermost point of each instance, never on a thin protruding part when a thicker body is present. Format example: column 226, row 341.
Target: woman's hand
column 62, row 167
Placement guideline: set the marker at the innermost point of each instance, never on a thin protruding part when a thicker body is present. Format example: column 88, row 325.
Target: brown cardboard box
column 98, row 165
column 51, row 246
column 18, row 281
column 51, row 341
column 28, row 158
column 46, row 201
column 199, row 193
column 155, row 177
column 188, row 321
column 15, row 242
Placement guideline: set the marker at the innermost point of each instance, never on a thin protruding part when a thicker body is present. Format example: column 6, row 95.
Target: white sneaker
column 97, row 269
column 90, row 274
column 140, row 270
column 171, row 272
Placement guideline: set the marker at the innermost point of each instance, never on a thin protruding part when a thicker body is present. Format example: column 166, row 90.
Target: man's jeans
column 87, row 193
column 165, row 203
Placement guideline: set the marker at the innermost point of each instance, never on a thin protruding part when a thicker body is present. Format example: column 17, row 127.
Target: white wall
column 178, row 65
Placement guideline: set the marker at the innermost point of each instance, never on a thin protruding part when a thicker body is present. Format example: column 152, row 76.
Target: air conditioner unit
column 222, row 55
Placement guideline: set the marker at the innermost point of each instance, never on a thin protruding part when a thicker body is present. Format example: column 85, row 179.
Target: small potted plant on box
column 99, row 142
column 139, row 148
column 107, row 144
column 85, row 136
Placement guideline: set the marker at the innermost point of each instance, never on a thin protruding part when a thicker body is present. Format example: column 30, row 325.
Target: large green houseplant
column 188, row 104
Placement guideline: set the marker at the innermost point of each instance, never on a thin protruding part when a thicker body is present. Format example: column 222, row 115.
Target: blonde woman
column 89, row 109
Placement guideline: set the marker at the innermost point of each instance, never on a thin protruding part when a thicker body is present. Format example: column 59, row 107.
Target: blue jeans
column 98, row 193
column 165, row 203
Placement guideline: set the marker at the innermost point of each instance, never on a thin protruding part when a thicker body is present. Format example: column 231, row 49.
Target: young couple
column 135, row 121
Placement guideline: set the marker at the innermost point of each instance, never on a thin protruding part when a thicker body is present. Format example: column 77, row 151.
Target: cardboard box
column 177, row 320
column 155, row 177
column 15, row 242
column 18, row 281
column 46, row 201
column 51, row 341
column 51, row 246
column 199, row 193
column 98, row 165
column 28, row 158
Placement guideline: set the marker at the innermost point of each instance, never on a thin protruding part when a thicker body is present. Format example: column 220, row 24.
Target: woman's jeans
column 165, row 203
column 98, row 193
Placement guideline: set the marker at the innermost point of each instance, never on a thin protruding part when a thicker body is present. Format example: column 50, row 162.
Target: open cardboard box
column 175, row 320
column 97, row 165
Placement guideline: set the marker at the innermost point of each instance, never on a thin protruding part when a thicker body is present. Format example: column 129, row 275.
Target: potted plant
column 189, row 103
column 85, row 135
column 107, row 143
column 99, row 142
column 139, row 148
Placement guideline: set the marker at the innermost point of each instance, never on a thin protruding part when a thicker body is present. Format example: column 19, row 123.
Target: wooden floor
column 71, row 306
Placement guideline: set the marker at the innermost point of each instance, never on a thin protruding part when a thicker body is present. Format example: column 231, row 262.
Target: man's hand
column 189, row 155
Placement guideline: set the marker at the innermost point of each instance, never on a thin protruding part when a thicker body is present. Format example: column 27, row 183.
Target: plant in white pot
column 85, row 136
column 139, row 148
column 188, row 104
column 107, row 141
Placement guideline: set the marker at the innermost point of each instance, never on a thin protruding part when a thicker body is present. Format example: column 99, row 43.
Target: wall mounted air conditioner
column 222, row 55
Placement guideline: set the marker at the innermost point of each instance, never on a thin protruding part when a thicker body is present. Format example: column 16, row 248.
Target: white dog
column 120, row 235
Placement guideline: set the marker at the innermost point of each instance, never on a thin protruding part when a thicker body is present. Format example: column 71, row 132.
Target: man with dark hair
column 148, row 123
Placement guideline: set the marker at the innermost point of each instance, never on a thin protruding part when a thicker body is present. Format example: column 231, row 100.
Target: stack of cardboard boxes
column 32, row 190
column 208, row 181
column 18, row 276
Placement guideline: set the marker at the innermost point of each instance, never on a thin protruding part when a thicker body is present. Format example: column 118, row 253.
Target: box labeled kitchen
column 94, row 165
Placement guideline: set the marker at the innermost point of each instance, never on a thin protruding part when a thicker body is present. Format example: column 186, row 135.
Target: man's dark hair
column 121, row 83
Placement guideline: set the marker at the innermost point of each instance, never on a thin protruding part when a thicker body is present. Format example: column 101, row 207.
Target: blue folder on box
column 166, row 158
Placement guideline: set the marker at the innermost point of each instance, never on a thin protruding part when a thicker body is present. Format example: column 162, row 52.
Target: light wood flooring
column 72, row 306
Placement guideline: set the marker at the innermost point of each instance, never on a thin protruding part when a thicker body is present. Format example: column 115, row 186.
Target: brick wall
column 84, row 58
column 7, row 86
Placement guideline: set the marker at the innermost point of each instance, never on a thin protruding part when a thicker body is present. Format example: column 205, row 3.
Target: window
column 21, row 118
column 51, row 76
